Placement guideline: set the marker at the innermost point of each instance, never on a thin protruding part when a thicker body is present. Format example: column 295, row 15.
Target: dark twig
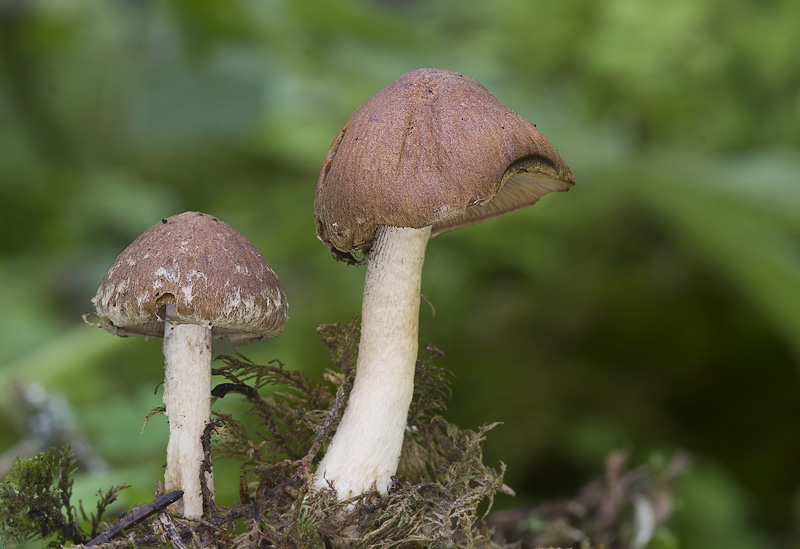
column 206, row 466
column 138, row 515
column 323, row 430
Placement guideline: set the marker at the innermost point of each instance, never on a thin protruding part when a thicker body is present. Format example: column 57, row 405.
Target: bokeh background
column 654, row 307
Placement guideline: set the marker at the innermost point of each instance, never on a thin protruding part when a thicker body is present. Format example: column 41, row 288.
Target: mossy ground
column 440, row 497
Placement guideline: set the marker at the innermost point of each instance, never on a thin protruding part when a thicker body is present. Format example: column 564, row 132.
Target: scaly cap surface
column 211, row 272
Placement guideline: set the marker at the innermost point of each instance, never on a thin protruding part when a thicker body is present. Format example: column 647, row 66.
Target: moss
column 36, row 501
column 440, row 497
column 434, row 500
column 441, row 480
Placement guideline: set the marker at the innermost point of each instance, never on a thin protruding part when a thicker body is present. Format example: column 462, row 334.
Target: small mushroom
column 431, row 152
column 189, row 278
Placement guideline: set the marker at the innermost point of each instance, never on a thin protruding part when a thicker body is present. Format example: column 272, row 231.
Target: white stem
column 187, row 398
column 364, row 453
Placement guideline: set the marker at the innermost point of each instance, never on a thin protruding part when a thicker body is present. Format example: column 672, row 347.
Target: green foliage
column 36, row 501
column 656, row 305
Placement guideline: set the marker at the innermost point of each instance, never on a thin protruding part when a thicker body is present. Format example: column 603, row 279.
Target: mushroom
column 189, row 278
column 431, row 152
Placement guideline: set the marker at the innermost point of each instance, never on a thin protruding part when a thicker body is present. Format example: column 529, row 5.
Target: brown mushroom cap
column 211, row 272
column 432, row 148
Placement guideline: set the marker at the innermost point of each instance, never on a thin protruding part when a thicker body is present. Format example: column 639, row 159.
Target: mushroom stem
column 187, row 388
column 365, row 450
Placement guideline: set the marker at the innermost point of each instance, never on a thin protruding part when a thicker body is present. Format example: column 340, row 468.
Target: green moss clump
column 36, row 501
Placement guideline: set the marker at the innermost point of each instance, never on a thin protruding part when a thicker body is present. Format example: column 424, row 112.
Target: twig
column 172, row 533
column 138, row 515
column 322, row 430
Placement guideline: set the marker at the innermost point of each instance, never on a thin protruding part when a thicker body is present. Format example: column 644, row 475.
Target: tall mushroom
column 431, row 152
column 189, row 278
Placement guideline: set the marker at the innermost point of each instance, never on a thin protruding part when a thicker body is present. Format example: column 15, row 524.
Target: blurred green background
column 654, row 307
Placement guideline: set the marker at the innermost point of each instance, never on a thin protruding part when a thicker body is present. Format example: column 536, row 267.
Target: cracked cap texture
column 211, row 273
